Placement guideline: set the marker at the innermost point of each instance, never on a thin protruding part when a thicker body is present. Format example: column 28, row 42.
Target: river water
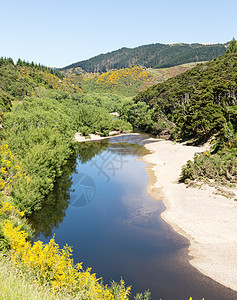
column 100, row 207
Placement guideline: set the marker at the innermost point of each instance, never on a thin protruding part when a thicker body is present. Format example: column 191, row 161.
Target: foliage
column 40, row 131
column 15, row 286
column 200, row 104
column 232, row 48
column 150, row 56
column 221, row 166
column 54, row 267
column 139, row 115
column 145, row 296
column 108, row 101
column 128, row 77
column 200, row 101
column 25, row 79
column 125, row 82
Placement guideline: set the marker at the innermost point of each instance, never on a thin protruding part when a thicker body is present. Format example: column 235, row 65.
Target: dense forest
column 199, row 105
column 150, row 56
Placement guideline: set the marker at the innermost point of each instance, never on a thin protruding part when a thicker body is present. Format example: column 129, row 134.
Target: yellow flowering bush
column 127, row 76
column 55, row 267
column 10, row 170
column 206, row 153
column 39, row 77
column 9, row 210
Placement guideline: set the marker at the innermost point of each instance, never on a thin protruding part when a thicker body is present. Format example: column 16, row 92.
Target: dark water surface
column 100, row 207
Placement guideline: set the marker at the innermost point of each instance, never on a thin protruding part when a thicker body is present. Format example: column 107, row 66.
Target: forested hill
column 150, row 56
column 27, row 79
column 200, row 101
column 198, row 106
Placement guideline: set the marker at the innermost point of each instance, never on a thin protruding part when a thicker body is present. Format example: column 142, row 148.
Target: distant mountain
column 150, row 56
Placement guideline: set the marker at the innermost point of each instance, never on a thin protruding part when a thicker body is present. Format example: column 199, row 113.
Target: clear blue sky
column 58, row 33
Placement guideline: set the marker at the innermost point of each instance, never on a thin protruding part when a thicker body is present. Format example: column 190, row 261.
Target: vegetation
column 15, row 286
column 150, row 56
column 40, row 113
column 232, row 48
column 54, row 267
column 199, row 104
column 220, row 166
column 36, row 141
column 125, row 82
column 108, row 101
column 48, row 265
column 46, row 125
column 26, row 79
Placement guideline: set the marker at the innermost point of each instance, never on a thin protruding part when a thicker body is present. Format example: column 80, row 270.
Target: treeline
column 198, row 105
column 23, row 63
column 150, row 56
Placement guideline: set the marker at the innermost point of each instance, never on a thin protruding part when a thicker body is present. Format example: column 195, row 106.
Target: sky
column 57, row 33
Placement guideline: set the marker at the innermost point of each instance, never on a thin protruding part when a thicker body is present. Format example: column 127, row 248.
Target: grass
column 14, row 286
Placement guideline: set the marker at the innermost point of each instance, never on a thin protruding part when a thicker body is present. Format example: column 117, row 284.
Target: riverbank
column 208, row 220
column 96, row 137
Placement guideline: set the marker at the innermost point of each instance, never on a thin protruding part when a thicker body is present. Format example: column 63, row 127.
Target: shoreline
column 208, row 220
column 96, row 137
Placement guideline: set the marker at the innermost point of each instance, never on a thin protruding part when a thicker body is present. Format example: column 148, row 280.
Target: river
column 101, row 208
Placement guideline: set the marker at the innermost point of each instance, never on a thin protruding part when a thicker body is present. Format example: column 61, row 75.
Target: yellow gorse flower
column 206, row 153
column 55, row 266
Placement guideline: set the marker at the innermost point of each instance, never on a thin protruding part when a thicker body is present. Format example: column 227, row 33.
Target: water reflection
column 55, row 204
column 87, row 150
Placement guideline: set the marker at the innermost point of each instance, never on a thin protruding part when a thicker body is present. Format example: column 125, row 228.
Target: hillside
column 198, row 105
column 24, row 79
column 126, row 82
column 150, row 56
column 206, row 86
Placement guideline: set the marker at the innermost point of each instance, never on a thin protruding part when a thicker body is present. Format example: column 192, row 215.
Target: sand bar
column 96, row 137
column 209, row 221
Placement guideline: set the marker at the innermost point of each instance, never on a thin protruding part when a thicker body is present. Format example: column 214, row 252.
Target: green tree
column 232, row 48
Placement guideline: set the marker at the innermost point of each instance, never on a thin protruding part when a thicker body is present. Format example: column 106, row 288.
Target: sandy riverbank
column 95, row 137
column 209, row 221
